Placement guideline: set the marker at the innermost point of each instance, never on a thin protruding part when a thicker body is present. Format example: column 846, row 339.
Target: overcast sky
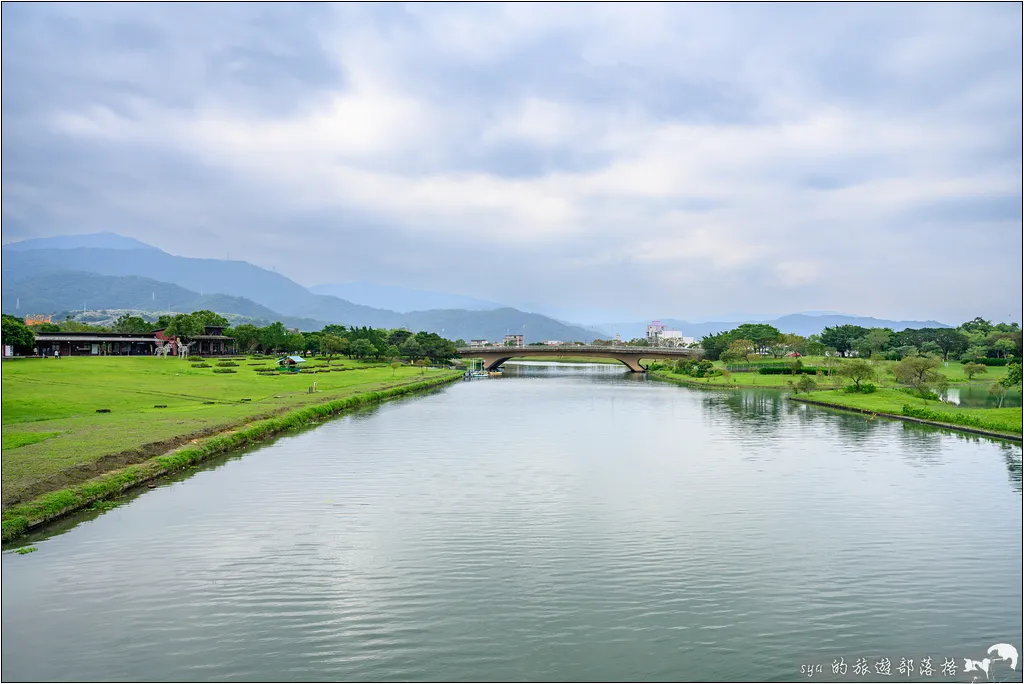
column 603, row 162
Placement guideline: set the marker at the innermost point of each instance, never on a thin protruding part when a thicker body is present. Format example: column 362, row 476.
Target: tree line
column 975, row 340
column 333, row 340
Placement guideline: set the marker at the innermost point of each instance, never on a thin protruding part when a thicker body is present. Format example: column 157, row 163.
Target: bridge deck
column 495, row 356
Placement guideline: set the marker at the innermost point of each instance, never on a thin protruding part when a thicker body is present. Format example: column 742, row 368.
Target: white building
column 659, row 335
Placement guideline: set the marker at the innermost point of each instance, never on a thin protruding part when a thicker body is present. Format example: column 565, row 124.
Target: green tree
column 858, row 370
column 786, row 343
column 1011, row 380
column 842, row 338
column 185, row 327
column 391, row 352
column 875, row 340
column 806, row 384
column 210, row 318
column 972, row 369
column 974, row 352
column 395, row 365
column 273, row 337
column 247, row 337
column 1004, row 347
column 398, row 337
column 921, row 373
column 814, row 346
column 127, row 323
column 331, row 345
column 362, row 348
column 16, row 334
column 761, row 335
column 411, row 349
column 738, row 350
column 714, row 345
column 295, row 342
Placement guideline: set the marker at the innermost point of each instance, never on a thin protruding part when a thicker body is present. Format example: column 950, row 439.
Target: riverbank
column 954, row 373
column 66, row 421
column 1004, row 423
column 23, row 517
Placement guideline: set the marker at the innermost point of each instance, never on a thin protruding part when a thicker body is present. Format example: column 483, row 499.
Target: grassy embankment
column 58, row 448
column 887, row 400
column 954, row 373
column 895, row 402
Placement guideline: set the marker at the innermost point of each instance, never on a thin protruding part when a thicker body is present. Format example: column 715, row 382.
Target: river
column 559, row 523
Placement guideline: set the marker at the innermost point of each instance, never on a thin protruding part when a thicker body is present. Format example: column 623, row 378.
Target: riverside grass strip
column 19, row 519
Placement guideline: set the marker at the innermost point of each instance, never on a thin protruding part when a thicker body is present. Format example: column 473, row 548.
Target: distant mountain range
column 402, row 299
column 50, row 275
column 802, row 324
column 63, row 273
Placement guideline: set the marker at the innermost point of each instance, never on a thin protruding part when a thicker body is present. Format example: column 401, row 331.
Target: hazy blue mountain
column 402, row 299
column 494, row 325
column 246, row 285
column 54, row 292
column 801, row 324
column 93, row 240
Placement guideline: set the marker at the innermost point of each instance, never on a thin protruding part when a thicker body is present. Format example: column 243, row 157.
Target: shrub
column 993, row 362
column 806, row 384
column 196, row 358
column 702, row 369
column 784, row 370
column 224, row 370
column 102, row 410
column 200, row 365
column 226, row 364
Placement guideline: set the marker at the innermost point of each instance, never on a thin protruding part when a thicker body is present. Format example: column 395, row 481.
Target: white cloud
column 703, row 138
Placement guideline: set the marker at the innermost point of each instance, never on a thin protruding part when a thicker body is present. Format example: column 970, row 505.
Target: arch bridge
column 495, row 356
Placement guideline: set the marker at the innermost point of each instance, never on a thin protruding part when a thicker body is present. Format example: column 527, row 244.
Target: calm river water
column 559, row 523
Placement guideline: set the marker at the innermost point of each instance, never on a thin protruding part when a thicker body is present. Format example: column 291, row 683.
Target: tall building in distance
column 659, row 335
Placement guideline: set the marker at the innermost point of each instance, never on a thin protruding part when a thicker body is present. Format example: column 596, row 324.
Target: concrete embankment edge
column 910, row 419
column 21, row 518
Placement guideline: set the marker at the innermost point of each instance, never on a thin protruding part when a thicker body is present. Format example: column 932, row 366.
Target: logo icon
column 1004, row 652
column 999, row 653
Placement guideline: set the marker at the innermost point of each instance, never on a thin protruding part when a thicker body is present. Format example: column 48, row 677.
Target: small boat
column 494, row 374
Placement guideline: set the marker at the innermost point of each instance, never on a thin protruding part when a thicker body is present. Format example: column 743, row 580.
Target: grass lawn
column 53, row 436
column 892, row 401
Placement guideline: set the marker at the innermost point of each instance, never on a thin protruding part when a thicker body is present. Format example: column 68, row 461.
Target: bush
column 865, row 388
column 930, row 396
column 201, row 365
column 993, row 362
column 224, row 370
column 786, row 370
column 226, row 364
column 702, row 369
column 806, row 384
column 196, row 358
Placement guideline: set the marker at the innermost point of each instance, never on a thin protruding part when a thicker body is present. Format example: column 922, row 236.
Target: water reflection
column 558, row 523
column 980, row 395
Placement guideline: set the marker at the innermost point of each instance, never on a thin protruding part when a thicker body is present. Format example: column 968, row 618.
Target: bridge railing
column 675, row 351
